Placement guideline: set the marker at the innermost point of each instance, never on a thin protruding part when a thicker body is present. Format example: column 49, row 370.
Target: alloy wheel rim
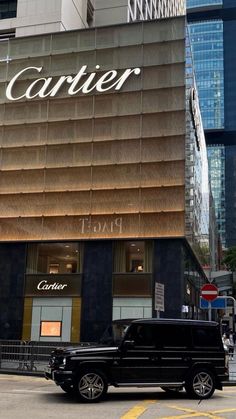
column 202, row 384
column 91, row 386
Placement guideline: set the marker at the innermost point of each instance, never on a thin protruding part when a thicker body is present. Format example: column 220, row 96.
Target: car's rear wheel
column 201, row 384
column 92, row 386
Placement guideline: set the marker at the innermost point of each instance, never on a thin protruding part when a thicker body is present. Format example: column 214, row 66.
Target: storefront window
column 50, row 329
column 133, row 256
column 54, row 258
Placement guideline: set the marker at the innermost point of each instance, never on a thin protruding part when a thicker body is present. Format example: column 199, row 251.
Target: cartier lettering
column 82, row 82
column 44, row 286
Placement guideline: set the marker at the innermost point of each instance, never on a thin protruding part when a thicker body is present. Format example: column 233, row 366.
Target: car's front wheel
column 92, row 386
column 201, row 384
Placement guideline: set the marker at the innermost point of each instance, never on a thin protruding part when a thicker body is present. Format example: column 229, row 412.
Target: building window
column 54, row 258
column 8, row 9
column 50, row 329
column 200, row 3
column 133, row 256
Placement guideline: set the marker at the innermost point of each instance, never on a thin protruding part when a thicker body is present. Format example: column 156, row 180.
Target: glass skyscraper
column 212, row 27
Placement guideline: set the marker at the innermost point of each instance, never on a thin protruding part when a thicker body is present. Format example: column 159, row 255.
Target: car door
column 139, row 358
column 175, row 353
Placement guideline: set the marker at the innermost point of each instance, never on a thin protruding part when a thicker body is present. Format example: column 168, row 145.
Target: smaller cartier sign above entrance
column 82, row 82
column 53, row 285
column 43, row 285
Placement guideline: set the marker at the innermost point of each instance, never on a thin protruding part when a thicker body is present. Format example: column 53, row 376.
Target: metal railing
column 27, row 356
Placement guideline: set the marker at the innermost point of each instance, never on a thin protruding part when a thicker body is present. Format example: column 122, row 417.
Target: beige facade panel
column 163, row 149
column 73, row 178
column 165, row 173
column 97, row 165
column 172, row 75
column 41, row 46
column 22, row 181
column 80, row 227
column 98, row 106
column 170, row 173
column 162, row 199
column 111, row 37
column 166, row 124
column 72, row 133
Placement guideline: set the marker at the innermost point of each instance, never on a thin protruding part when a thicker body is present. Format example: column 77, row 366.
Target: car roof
column 184, row 322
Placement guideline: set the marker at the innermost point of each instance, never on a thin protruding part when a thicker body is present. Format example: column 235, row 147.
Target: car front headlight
column 63, row 363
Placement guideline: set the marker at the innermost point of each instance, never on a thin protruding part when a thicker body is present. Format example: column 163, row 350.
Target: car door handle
column 186, row 359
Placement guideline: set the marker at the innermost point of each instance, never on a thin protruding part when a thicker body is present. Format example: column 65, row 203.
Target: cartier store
column 93, row 180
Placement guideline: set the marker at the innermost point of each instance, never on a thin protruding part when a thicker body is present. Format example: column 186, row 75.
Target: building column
column 12, row 270
column 96, row 312
column 168, row 270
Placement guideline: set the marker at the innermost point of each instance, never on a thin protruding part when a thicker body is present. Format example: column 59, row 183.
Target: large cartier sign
column 82, row 82
column 53, row 285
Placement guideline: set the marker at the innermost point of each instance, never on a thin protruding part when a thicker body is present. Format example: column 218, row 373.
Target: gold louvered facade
column 101, row 165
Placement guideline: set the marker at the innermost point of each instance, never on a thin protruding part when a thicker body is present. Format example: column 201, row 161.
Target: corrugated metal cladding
column 96, row 165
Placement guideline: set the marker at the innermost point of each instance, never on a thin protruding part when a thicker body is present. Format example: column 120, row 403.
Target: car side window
column 142, row 335
column 173, row 336
column 205, row 337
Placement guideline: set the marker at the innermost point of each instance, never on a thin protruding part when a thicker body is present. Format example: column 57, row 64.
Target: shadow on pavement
column 125, row 396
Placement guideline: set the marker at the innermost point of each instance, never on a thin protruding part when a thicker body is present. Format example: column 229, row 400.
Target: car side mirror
column 128, row 344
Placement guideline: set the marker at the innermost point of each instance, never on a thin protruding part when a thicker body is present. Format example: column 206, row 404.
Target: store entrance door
column 51, row 319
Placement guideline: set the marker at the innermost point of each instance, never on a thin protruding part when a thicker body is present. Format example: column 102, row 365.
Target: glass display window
column 133, row 256
column 50, row 328
column 54, row 258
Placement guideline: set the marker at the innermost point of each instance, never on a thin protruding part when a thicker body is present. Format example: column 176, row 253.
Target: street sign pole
column 209, row 311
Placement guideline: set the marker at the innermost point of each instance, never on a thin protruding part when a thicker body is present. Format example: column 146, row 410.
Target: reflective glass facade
column 197, row 184
column 216, row 160
column 212, row 26
column 208, row 52
column 199, row 3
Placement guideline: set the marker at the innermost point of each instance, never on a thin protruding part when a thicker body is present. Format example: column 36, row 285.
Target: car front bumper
column 59, row 376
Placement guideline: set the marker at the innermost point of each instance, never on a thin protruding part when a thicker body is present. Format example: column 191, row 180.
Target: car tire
column 91, row 386
column 68, row 388
column 200, row 384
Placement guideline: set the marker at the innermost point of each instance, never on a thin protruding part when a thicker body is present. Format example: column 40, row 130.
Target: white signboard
column 159, row 297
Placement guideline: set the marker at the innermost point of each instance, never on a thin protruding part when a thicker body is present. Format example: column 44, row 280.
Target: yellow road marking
column 193, row 413
column 137, row 410
column 224, row 411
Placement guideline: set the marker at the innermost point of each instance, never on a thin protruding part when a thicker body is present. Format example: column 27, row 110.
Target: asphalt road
column 35, row 398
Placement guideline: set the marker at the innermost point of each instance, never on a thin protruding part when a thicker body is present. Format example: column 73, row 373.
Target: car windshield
column 114, row 333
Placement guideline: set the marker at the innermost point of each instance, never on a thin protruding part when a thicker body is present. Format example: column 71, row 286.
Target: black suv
column 171, row 354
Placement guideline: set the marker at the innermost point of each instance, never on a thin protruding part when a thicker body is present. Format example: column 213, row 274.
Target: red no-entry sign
column 209, row 292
